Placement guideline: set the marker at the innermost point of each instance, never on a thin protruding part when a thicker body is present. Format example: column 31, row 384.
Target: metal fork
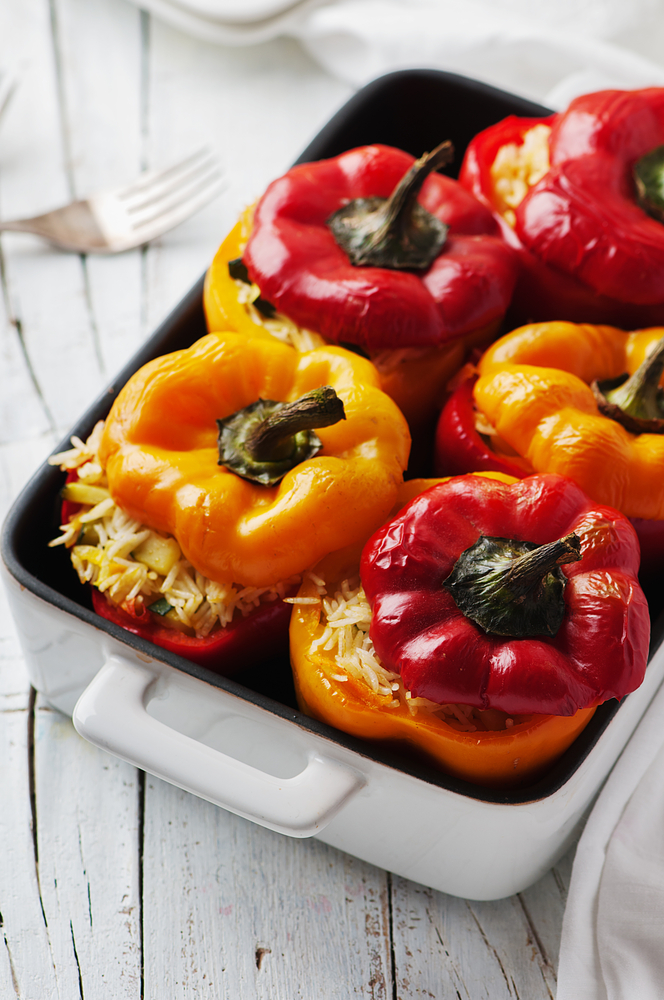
column 131, row 215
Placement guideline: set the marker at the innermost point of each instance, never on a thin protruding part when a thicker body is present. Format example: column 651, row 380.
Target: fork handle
column 52, row 227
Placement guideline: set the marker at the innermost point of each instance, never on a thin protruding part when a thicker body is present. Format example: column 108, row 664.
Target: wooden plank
column 88, row 826
column 240, row 102
column 544, row 906
column 44, row 290
column 446, row 947
column 23, row 411
column 26, row 966
column 98, row 42
column 232, row 910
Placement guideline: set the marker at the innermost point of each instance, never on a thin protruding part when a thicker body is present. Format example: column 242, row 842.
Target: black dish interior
column 413, row 110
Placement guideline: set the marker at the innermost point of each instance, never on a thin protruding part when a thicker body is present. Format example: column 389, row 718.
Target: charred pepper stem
column 649, row 180
column 636, row 402
column 395, row 232
column 513, row 588
column 266, row 439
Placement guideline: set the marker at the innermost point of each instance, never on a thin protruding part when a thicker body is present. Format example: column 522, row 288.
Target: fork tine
column 180, row 196
column 151, row 182
column 167, row 217
column 162, row 192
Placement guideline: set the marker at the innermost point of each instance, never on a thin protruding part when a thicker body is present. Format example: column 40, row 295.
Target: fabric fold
column 613, row 929
column 549, row 54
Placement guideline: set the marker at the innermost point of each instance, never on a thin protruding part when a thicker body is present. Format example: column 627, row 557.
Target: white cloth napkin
column 612, row 945
column 546, row 51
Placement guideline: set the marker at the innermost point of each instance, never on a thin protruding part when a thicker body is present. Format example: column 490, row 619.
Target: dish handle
column 112, row 713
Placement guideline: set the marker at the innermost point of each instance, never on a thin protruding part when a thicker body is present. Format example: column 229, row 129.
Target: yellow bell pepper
column 161, row 454
column 534, row 391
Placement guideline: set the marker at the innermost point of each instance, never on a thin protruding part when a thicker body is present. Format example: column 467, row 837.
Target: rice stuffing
column 137, row 567
column 344, row 627
column 280, row 326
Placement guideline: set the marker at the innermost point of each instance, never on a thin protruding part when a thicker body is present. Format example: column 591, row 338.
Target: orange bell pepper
column 160, row 452
column 534, row 390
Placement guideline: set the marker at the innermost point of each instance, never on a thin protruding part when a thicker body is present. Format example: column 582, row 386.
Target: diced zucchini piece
column 238, row 270
column 88, row 536
column 81, row 493
column 160, row 607
column 158, row 554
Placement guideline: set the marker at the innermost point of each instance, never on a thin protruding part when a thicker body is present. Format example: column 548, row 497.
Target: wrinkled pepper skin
column 294, row 259
column 460, row 448
column 588, row 251
column 415, row 381
column 600, row 650
column 548, row 414
column 534, row 389
column 244, row 642
column 160, row 453
column 416, row 328
column 495, row 758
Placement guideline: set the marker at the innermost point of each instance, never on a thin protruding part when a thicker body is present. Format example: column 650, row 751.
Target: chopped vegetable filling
column 137, row 567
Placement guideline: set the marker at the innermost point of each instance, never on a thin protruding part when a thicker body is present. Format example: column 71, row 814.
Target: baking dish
column 242, row 743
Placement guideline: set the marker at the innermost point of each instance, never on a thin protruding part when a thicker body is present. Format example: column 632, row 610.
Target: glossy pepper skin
column 160, row 453
column 600, row 650
column 460, row 448
column 493, row 758
column 294, row 259
column 414, row 379
column 589, row 252
column 242, row 643
column 534, row 389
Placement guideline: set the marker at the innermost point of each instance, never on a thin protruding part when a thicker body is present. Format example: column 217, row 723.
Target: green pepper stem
column 649, row 180
column 528, row 571
column 639, row 396
column 513, row 588
column 395, row 232
column 272, row 440
column 397, row 211
column 266, row 439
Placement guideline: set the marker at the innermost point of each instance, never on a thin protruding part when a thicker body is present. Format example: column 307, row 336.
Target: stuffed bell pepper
column 374, row 251
column 486, row 622
column 583, row 401
column 579, row 195
column 222, row 472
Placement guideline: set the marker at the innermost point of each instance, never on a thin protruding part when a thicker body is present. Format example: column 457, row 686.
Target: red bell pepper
column 589, row 251
column 521, row 597
column 304, row 269
column 244, row 642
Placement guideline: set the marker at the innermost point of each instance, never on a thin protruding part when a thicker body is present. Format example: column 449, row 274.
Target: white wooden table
column 114, row 884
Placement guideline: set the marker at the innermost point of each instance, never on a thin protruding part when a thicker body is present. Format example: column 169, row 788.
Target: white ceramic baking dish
column 242, row 743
